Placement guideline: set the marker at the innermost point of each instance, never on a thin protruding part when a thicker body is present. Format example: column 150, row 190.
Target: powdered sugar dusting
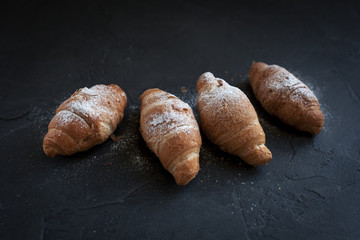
column 65, row 117
column 89, row 102
column 89, row 91
column 170, row 116
column 208, row 75
column 164, row 115
column 284, row 81
column 301, row 92
column 173, row 117
column 219, row 92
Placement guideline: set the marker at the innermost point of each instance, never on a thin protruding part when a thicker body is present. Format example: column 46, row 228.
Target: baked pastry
column 84, row 120
column 170, row 130
column 286, row 97
column 229, row 120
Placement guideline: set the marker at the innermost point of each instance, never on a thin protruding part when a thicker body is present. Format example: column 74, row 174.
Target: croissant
column 286, row 97
column 84, row 120
column 170, row 130
column 229, row 120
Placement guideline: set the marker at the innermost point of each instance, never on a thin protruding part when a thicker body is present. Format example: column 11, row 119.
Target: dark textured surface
column 310, row 190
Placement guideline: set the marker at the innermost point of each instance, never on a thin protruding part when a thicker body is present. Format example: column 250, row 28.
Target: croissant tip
column 316, row 131
column 258, row 64
column 206, row 77
column 187, row 171
column 320, row 125
column 207, row 74
column 49, row 151
column 147, row 92
column 312, row 123
column 182, row 178
column 258, row 156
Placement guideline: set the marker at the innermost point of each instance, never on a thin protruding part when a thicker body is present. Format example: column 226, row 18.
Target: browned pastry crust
column 286, row 97
column 84, row 120
column 229, row 120
column 170, row 130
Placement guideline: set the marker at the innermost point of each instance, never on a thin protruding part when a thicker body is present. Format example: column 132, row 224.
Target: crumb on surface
column 183, row 89
column 115, row 138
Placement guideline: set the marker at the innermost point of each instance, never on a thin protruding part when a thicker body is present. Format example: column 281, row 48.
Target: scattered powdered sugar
column 130, row 150
column 189, row 97
column 39, row 118
column 318, row 91
column 315, row 89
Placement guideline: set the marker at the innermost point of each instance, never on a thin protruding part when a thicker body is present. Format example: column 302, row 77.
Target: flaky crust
column 229, row 120
column 170, row 130
column 84, row 120
column 286, row 97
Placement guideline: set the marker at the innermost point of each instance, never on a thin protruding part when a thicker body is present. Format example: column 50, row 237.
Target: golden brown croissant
column 84, row 120
column 229, row 120
column 170, row 130
column 286, row 97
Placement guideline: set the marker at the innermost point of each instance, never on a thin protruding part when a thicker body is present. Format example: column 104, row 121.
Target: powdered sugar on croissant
column 84, row 120
column 170, row 130
column 229, row 120
column 286, row 97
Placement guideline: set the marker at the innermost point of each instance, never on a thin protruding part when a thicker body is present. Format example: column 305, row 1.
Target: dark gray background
column 48, row 49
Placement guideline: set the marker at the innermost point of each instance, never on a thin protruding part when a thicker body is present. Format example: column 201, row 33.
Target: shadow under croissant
column 211, row 158
column 81, row 156
column 211, row 154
